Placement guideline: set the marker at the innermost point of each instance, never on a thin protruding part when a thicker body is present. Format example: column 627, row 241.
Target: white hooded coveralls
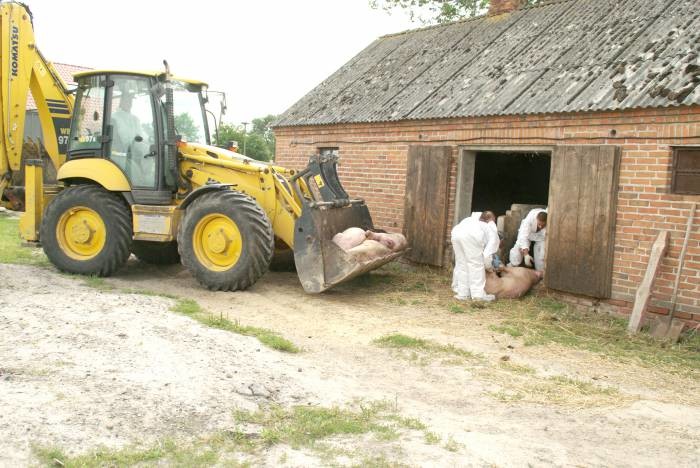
column 473, row 245
column 528, row 233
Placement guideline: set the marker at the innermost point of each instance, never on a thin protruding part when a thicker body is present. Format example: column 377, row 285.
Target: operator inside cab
column 131, row 139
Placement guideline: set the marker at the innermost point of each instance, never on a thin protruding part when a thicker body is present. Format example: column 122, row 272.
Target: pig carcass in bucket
column 327, row 211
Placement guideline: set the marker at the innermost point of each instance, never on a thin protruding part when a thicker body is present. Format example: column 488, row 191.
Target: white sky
column 265, row 55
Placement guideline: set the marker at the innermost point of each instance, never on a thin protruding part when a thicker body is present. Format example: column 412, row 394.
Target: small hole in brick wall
column 613, row 132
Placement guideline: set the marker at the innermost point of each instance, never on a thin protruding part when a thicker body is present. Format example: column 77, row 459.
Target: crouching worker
column 474, row 241
column 532, row 229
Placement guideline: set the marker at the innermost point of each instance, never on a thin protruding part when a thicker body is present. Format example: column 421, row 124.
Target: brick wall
column 373, row 166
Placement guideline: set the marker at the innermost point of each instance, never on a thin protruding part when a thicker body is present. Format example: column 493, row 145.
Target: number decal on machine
column 319, row 180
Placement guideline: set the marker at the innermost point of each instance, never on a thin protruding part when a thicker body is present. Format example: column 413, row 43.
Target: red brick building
column 591, row 107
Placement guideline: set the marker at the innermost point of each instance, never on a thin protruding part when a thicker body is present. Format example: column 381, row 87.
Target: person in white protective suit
column 474, row 241
column 532, row 229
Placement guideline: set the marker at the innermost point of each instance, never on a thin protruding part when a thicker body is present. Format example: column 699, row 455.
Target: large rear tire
column 226, row 240
column 156, row 253
column 87, row 230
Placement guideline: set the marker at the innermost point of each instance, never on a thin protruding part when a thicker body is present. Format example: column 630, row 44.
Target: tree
column 437, row 11
column 186, row 127
column 259, row 141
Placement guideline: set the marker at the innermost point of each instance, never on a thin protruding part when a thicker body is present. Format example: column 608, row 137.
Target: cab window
column 88, row 117
column 133, row 140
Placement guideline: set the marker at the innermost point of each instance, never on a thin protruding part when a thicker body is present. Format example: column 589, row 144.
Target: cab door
column 135, row 135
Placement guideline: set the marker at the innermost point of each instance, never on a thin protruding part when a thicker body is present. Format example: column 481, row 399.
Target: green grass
column 305, row 426
column 187, row 307
column 11, row 250
column 399, row 341
column 202, row 452
column 98, row 283
column 543, row 321
column 516, row 368
column 269, row 338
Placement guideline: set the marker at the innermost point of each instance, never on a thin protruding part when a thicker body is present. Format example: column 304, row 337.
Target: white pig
column 349, row 238
column 369, row 250
column 393, row 241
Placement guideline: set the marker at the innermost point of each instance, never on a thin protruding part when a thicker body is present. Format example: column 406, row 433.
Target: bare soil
column 82, row 368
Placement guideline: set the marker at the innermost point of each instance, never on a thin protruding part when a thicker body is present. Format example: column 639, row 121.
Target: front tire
column 87, row 230
column 226, row 240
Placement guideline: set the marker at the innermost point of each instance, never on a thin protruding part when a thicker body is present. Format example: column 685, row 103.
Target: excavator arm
column 22, row 69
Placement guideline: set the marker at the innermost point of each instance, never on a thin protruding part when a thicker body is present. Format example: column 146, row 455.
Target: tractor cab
column 123, row 117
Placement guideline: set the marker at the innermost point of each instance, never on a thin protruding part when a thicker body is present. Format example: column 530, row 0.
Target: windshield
column 189, row 115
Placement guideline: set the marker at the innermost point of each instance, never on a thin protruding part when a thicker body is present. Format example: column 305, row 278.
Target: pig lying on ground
column 514, row 282
column 395, row 242
column 369, row 250
column 349, row 238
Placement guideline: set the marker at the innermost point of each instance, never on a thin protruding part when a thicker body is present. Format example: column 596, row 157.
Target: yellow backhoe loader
column 137, row 174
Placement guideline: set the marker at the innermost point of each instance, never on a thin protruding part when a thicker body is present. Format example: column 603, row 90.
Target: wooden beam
column 641, row 301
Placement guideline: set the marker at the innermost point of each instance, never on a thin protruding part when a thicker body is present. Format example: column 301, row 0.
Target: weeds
column 202, row 452
column 543, row 321
column 11, row 249
column 305, row 426
column 98, row 283
column 269, row 338
column 399, row 341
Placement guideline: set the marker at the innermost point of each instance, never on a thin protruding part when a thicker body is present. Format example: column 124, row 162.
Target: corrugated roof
column 565, row 56
column 66, row 73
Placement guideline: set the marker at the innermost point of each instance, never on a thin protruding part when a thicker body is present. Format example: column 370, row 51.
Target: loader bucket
column 320, row 263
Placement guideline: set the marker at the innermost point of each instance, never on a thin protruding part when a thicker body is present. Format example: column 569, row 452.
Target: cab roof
column 154, row 74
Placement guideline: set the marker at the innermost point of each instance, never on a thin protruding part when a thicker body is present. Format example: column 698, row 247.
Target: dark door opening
column 502, row 179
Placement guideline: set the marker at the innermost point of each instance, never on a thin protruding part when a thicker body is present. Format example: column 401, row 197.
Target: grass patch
column 516, row 368
column 431, row 438
column 269, row 338
column 409, row 343
column 148, row 292
column 187, row 307
column 202, row 452
column 306, row 426
column 396, row 283
column 98, row 283
column 11, row 250
column 559, row 390
column 543, row 321
column 456, row 309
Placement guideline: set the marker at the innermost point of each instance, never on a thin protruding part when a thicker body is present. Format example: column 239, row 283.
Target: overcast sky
column 265, row 55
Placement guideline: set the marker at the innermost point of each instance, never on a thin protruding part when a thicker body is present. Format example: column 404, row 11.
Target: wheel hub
column 81, row 233
column 217, row 242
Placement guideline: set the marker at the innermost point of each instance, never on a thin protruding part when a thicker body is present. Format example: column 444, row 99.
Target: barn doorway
column 502, row 179
column 508, row 182
column 578, row 183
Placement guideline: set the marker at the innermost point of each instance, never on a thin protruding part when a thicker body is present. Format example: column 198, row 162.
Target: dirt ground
column 82, row 368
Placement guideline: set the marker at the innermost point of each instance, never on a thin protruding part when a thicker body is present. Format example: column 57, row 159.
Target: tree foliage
column 186, row 127
column 436, row 11
column 258, row 142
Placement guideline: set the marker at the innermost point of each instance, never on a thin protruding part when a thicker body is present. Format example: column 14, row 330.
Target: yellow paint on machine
column 156, row 223
column 101, row 171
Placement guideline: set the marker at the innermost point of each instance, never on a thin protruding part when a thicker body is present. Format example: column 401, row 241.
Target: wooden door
column 581, row 220
column 425, row 212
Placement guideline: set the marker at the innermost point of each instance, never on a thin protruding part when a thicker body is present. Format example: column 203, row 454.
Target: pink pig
column 349, row 238
column 393, row 241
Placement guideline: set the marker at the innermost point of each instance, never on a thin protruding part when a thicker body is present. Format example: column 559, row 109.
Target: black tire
column 156, row 253
column 110, row 209
column 256, row 240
